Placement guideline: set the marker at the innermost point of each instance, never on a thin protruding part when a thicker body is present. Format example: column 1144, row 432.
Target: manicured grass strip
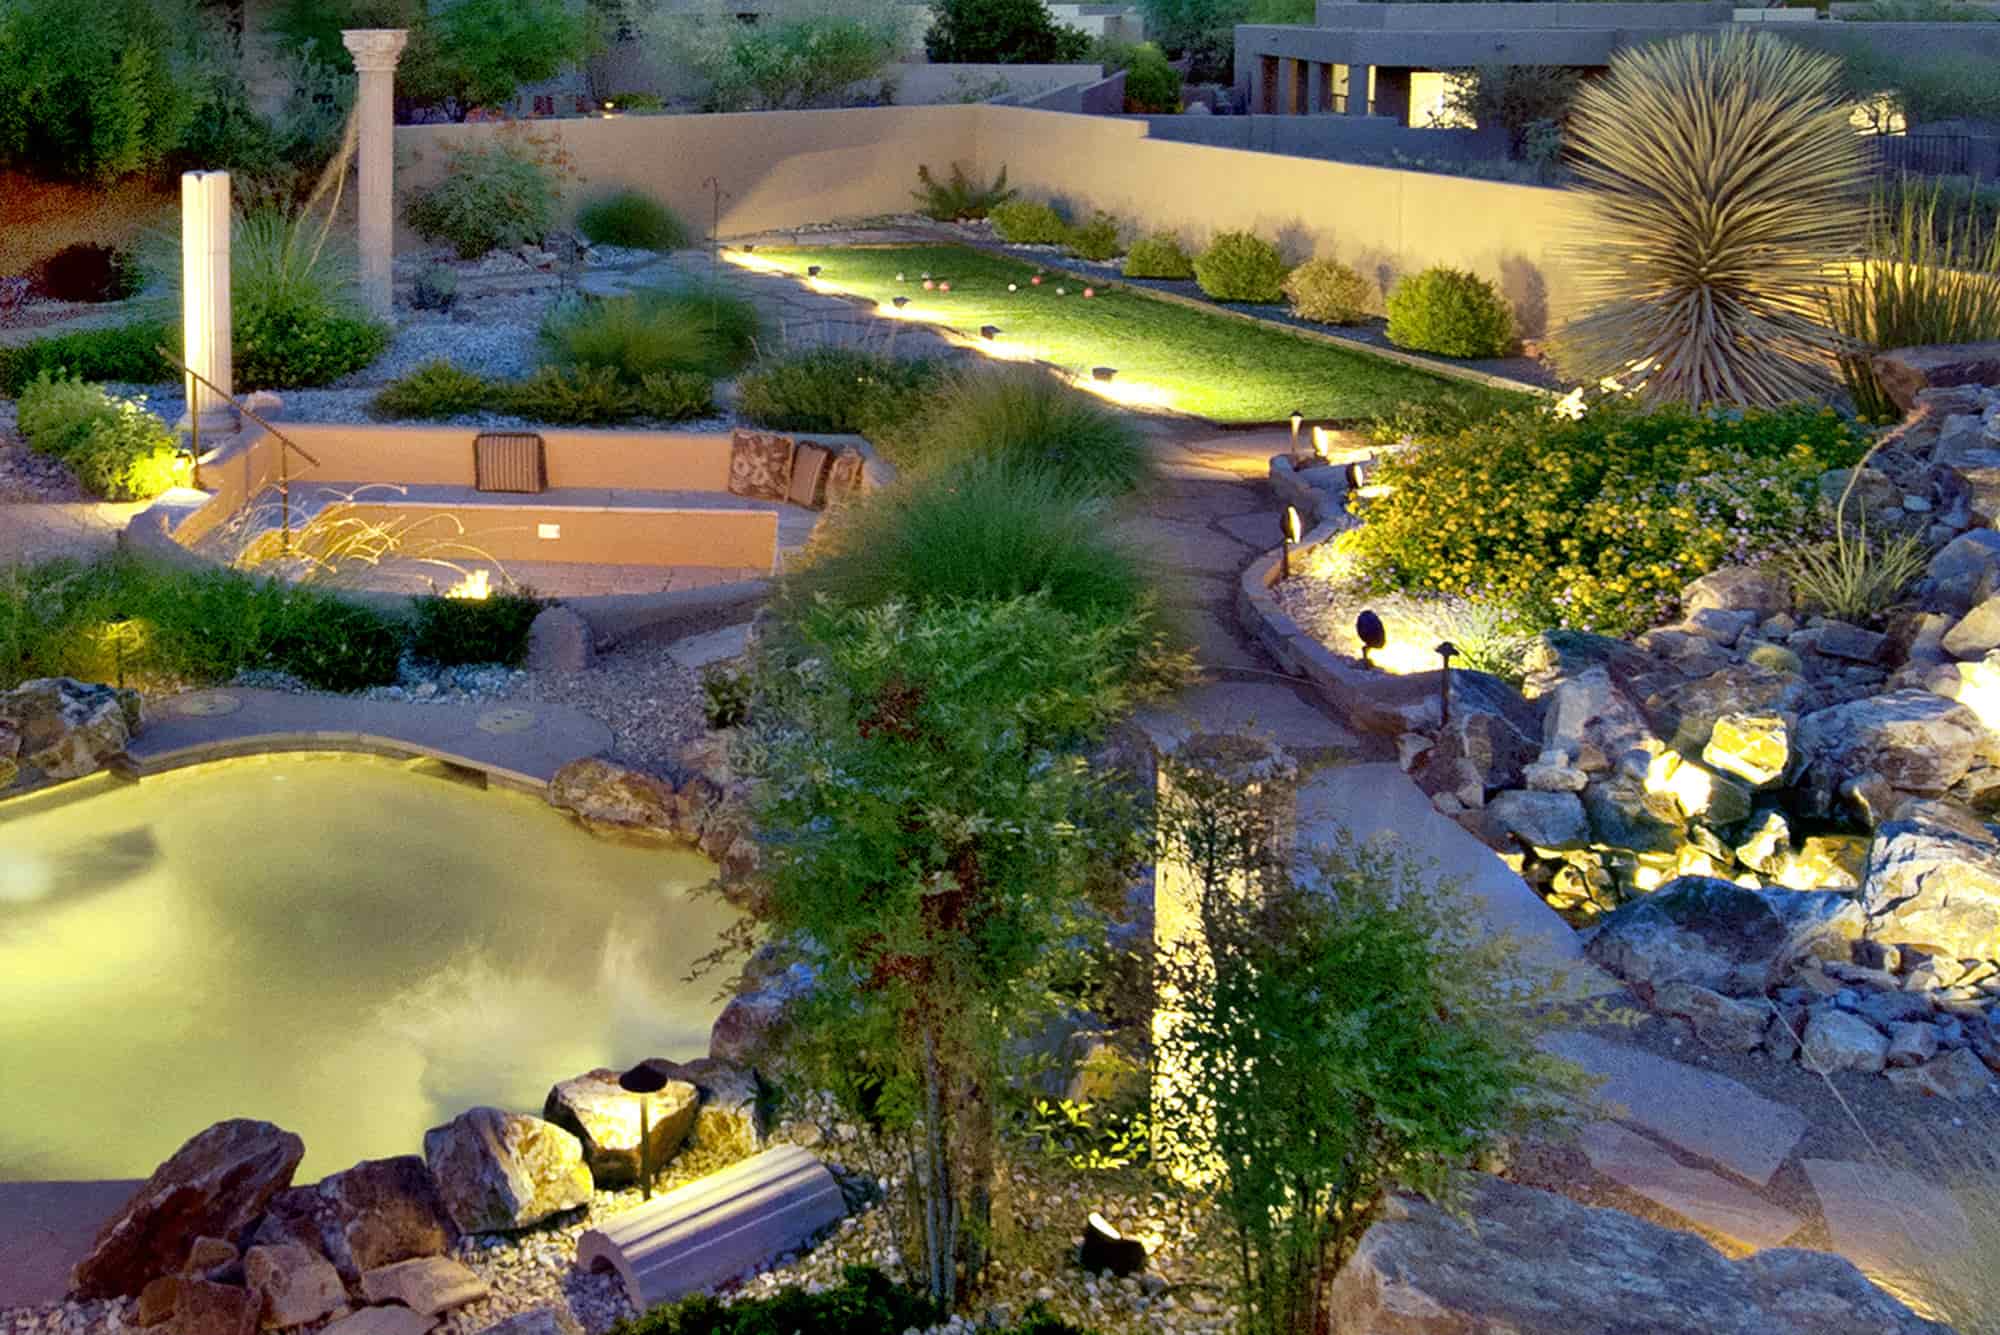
column 1191, row 361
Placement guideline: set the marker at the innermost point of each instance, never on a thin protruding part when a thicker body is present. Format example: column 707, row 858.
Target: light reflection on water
column 330, row 943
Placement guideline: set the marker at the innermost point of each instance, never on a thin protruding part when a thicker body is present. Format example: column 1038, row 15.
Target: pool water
column 352, row 948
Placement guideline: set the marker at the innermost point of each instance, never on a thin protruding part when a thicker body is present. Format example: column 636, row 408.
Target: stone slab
column 1266, row 709
column 392, row 1319
column 1715, row 1203
column 717, row 646
column 46, row 1228
column 1703, row 1112
column 1260, row 530
column 1885, row 1219
column 1186, row 546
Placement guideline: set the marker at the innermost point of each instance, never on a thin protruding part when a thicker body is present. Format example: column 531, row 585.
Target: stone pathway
column 41, row 531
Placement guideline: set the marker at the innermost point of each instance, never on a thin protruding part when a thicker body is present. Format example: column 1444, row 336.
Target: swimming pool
column 353, row 948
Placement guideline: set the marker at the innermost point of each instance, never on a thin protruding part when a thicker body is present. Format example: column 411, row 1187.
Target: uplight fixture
column 643, row 1080
column 899, row 302
column 1446, row 651
column 989, row 332
column 812, row 271
column 1368, row 628
column 1104, row 373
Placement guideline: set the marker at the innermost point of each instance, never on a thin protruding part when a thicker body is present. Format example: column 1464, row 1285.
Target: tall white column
column 205, row 321
column 376, row 51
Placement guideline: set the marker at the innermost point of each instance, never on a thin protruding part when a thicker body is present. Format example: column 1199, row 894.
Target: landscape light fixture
column 989, row 332
column 642, row 1080
column 899, row 302
column 812, row 271
column 1446, row 651
column 748, row 247
column 116, row 631
column 1105, row 1249
column 1369, row 630
column 1290, row 526
column 1355, row 475
column 1322, row 443
column 1104, row 373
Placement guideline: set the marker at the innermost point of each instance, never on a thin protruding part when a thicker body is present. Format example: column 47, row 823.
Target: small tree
column 810, row 57
column 1002, row 32
column 1334, row 1038
column 929, row 828
column 1514, row 97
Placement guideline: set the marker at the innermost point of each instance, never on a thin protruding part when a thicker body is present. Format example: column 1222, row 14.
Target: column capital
column 375, row 48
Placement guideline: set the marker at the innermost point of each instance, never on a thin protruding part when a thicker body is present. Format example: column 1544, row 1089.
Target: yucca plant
column 1721, row 177
column 1930, row 276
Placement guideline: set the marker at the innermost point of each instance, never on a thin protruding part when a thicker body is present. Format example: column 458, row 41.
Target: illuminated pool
column 344, row 946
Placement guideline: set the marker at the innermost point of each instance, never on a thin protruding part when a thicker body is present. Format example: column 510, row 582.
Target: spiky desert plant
column 1721, row 178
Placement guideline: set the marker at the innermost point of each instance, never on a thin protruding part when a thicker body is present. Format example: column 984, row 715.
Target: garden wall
column 788, row 169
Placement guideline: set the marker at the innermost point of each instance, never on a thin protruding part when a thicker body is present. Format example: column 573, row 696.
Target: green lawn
column 1166, row 355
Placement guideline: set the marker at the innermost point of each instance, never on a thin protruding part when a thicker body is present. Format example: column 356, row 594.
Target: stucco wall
column 786, row 169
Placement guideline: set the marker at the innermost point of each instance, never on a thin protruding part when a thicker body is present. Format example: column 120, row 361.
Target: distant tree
column 1204, row 31
column 1002, row 32
column 1516, row 98
column 95, row 88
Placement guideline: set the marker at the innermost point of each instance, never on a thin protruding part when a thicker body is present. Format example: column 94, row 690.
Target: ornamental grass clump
column 646, row 333
column 1597, row 521
column 1720, row 176
column 1026, row 418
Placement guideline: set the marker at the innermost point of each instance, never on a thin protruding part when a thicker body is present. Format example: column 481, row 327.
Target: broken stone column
column 376, row 51
column 205, row 318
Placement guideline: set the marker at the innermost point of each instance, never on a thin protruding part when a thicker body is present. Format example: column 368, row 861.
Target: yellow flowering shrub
column 1595, row 520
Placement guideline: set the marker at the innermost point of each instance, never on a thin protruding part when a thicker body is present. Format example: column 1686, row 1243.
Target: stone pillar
column 376, row 51
column 1392, row 93
column 1357, row 89
column 205, row 319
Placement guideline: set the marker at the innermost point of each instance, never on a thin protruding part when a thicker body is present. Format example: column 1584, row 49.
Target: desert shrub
column 435, row 289
column 835, row 389
column 493, row 629
column 1450, row 312
column 1240, row 267
column 1336, row 1038
column 1093, row 240
column 725, row 696
column 1028, row 222
column 1329, row 292
column 1514, row 97
column 87, row 272
column 1158, row 256
column 633, row 220
column 275, row 348
column 1449, row 413
column 1852, row 577
column 1001, row 32
column 688, row 329
column 961, row 196
column 127, row 354
column 435, row 389
column 333, row 644
column 1025, row 418
column 1596, row 522
column 291, row 293
column 96, row 89
column 493, row 194
column 674, row 396
column 865, row 1302
column 1152, row 84
column 1710, row 228
column 573, row 396
column 788, row 61
column 1931, row 275
column 117, row 449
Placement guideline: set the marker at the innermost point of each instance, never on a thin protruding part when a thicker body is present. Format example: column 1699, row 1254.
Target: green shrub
column 1328, row 292
column 633, row 220
column 435, row 389
column 674, row 396
column 1094, row 240
column 88, row 272
column 333, row 644
column 279, row 349
column 788, row 61
column 1027, row 222
column 865, row 1302
column 725, row 696
column 127, row 354
column 693, row 329
column 1024, row 418
column 1152, row 84
column 291, row 293
column 449, row 631
column 1597, row 522
column 635, row 102
column 1001, row 32
column 436, row 289
column 1158, row 256
column 117, row 449
column 95, row 89
column 835, row 389
column 1450, row 312
column 961, row 197
column 574, row 396
column 491, row 195
column 1240, row 267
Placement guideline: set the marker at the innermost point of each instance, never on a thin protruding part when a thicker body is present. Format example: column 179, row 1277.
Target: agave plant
column 1722, row 179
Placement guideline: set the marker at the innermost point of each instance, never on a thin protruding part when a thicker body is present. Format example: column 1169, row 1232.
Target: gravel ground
column 27, row 476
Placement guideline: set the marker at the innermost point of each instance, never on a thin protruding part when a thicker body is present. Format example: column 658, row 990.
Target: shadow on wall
column 1298, row 242
column 1521, row 282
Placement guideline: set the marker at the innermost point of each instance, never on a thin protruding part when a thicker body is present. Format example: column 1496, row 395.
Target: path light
column 644, row 1079
column 1062, row 291
column 1447, row 651
column 812, row 271
column 1369, row 630
column 899, row 302
column 945, row 286
column 989, row 331
column 1013, row 287
column 750, row 247
column 1322, row 443
column 1036, row 280
column 118, row 632
column 1292, row 526
column 1356, row 476
column 899, row 277
column 1105, row 1248
column 1104, row 373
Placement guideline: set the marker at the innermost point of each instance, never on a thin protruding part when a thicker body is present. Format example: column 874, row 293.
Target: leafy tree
column 807, row 58
column 929, row 828
column 1002, row 32
column 1938, row 85
column 1514, row 97
column 1152, row 84
column 96, row 88
column 1202, row 30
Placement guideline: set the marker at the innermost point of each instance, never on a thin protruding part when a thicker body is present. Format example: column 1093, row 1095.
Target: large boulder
column 1977, row 633
column 1918, row 742
column 375, row 1213
column 1538, row 819
column 216, row 1185
column 293, row 1284
column 1625, row 814
column 1718, row 935
column 1522, row 1260
column 59, row 728
column 1590, row 710
column 753, row 1021
column 1836, row 1040
column 1904, row 373
column 595, row 1109
column 499, row 1171
column 1685, row 714
column 734, row 1114
column 1754, row 747
column 1964, row 573
column 1738, row 589
column 608, row 797
column 1934, row 881
column 204, row 1307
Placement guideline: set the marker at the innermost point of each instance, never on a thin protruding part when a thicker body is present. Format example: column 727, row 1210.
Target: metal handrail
column 285, row 443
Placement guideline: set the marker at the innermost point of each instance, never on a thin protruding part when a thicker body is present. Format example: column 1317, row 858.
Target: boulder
column 1850, row 644
column 608, row 797
column 389, row 1320
column 605, row 1119
column 1975, row 685
column 1522, row 1260
column 733, row 1116
column 1957, row 1074
column 1721, row 936
column 560, row 641
column 1825, row 862
column 1933, row 880
column 753, row 1021
column 1765, row 842
column 427, row 1285
column 1718, row 1021
column 498, row 1171
column 204, row 1307
column 1918, row 742
column 213, row 1186
column 1977, row 633
column 1838, row 1041
column 58, row 728
column 377, row 1212
column 1912, row 1043
column 1964, row 573
column 1482, row 743
column 1685, row 714
column 1754, row 747
column 1764, row 593
column 1701, row 794
column 1540, row 820
column 294, row 1285
column 1625, row 814
column 1904, row 373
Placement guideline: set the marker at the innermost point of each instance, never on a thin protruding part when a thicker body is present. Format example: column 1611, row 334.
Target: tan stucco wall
column 787, row 169
column 732, row 539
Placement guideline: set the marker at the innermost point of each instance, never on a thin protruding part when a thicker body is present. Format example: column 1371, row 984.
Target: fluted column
column 376, row 51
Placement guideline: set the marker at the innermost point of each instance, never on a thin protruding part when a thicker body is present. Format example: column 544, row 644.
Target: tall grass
column 1023, row 417
column 1932, row 275
column 653, row 333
